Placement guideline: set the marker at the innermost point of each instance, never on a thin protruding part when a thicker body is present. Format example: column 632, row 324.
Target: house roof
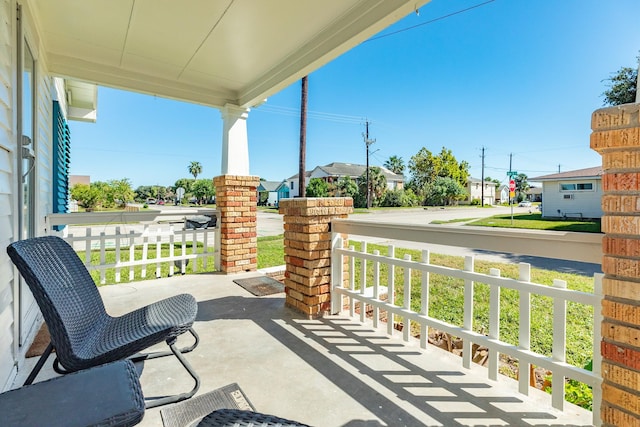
column 269, row 185
column 594, row 172
column 214, row 53
column 355, row 170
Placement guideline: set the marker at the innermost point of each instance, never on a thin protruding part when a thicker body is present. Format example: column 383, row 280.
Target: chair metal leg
column 36, row 369
column 178, row 397
column 146, row 356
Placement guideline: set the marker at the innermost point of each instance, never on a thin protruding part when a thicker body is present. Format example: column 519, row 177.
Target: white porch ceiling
column 210, row 52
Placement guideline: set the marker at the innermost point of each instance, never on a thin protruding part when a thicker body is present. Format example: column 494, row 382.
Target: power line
column 440, row 18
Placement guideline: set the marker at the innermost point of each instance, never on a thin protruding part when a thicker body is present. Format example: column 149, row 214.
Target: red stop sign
column 512, row 185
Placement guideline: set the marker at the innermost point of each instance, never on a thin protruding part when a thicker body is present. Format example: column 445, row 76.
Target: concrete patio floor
column 328, row 372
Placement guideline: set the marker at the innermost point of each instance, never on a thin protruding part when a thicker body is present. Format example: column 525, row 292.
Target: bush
column 317, row 188
column 475, row 202
column 399, row 198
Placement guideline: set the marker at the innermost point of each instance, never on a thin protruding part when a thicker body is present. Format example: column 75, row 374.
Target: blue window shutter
column 61, row 161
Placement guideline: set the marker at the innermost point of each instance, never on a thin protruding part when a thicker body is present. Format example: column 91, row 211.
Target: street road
column 269, row 223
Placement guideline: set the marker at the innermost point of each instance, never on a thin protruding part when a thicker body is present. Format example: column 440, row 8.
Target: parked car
column 524, row 204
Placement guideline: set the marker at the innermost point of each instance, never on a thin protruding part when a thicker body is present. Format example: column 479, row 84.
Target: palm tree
column 377, row 184
column 395, row 164
column 195, row 169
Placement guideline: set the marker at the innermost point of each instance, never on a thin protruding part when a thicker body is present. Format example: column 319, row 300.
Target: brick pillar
column 616, row 136
column 236, row 200
column 307, row 251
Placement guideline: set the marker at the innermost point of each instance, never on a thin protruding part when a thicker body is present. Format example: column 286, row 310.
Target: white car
column 524, row 204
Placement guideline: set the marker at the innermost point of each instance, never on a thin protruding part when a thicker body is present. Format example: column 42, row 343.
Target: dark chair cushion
column 107, row 395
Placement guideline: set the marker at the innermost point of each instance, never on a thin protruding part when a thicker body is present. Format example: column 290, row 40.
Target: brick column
column 616, row 136
column 236, row 200
column 307, row 251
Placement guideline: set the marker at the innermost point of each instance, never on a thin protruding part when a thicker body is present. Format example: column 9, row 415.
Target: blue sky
column 512, row 76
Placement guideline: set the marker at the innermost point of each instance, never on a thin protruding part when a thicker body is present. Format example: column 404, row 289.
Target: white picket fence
column 131, row 232
column 367, row 294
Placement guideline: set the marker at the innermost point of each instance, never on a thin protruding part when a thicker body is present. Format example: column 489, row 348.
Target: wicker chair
column 82, row 333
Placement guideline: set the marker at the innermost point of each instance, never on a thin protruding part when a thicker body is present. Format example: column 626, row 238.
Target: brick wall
column 236, row 199
column 616, row 136
column 307, row 248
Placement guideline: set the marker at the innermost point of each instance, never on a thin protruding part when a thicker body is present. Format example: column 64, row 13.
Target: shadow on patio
column 327, row 372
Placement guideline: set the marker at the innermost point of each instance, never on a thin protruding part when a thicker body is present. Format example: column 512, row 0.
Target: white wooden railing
column 129, row 232
column 583, row 247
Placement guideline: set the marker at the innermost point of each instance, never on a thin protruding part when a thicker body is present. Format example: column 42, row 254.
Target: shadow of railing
column 398, row 384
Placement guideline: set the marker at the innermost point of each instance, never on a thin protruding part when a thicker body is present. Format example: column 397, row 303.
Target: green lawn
column 535, row 221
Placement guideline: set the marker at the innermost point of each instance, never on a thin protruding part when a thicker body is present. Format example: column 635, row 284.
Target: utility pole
column 558, row 168
column 302, row 185
column 482, row 183
column 367, row 143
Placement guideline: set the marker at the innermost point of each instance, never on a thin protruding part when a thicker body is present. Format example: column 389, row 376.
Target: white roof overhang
column 211, row 52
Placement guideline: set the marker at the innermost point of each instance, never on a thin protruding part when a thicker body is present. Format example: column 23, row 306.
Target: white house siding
column 583, row 203
column 7, row 194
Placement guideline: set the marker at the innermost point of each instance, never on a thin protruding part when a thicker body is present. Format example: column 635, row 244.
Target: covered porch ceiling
column 208, row 52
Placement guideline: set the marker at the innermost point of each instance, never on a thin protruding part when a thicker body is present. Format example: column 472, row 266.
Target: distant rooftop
column 352, row 170
column 594, row 172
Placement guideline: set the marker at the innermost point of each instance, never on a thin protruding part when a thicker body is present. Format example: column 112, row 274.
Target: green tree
column 317, row 188
column 346, row 187
column 425, row 167
column 87, row 196
column 378, row 184
column 105, row 194
column 121, row 192
column 522, row 186
column 142, row 193
column 203, row 190
column 395, row 164
column 444, row 191
column 495, row 181
column 185, row 183
column 622, row 86
column 195, row 169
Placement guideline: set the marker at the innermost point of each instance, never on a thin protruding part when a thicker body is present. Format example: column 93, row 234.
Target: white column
column 235, row 144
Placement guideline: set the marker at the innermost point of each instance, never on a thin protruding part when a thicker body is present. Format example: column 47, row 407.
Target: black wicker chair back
column 65, row 292
column 82, row 332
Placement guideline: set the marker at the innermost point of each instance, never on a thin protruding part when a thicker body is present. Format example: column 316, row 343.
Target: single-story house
column 574, row 193
column 475, row 191
column 270, row 192
column 332, row 172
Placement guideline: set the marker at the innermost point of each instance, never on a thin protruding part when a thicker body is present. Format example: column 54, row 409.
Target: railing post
column 597, row 339
column 337, row 272
column 524, row 335
column 494, row 324
column 467, row 345
column 424, row 300
column 559, row 344
column 363, row 281
column 406, row 304
column 391, row 288
column 376, row 285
